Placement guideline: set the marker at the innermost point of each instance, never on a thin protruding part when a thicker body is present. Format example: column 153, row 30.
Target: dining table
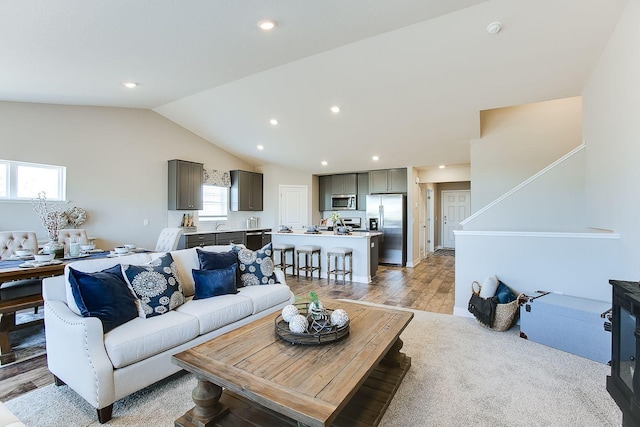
column 24, row 295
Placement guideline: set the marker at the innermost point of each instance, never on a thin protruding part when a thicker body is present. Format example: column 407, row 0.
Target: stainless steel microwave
column 343, row 202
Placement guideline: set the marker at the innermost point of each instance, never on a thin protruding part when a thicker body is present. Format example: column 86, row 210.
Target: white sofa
column 103, row 368
column 8, row 419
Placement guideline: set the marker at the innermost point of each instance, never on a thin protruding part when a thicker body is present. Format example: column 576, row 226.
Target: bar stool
column 343, row 254
column 283, row 249
column 309, row 251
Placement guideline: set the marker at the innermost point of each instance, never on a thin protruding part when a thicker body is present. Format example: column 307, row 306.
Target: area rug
column 461, row 375
column 27, row 342
column 445, row 252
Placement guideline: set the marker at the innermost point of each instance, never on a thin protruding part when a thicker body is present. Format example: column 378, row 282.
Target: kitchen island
column 364, row 246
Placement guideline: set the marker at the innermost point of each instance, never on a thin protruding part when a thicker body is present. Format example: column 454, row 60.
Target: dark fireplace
column 624, row 383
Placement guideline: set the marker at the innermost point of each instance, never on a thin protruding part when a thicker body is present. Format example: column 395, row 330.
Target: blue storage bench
column 568, row 323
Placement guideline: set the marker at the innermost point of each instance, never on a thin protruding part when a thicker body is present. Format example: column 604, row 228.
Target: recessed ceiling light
column 273, row 122
column 130, row 85
column 260, row 147
column 442, row 166
column 335, row 109
column 494, row 27
column 324, row 163
column 375, row 158
column 266, row 24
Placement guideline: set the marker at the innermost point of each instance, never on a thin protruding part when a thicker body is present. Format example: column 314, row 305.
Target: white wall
column 274, row 176
column 452, row 173
column 516, row 142
column 612, row 136
column 581, row 264
column 552, row 201
column 116, row 163
column 571, row 264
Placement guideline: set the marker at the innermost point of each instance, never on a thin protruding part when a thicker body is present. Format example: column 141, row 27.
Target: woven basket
column 505, row 313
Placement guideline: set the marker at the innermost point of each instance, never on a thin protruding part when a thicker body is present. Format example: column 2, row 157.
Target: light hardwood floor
column 428, row 287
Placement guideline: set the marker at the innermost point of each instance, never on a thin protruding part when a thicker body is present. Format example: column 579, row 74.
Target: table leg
column 208, row 409
column 7, row 321
column 394, row 357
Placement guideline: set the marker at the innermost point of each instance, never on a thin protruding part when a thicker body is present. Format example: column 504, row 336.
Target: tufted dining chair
column 168, row 239
column 11, row 241
column 67, row 233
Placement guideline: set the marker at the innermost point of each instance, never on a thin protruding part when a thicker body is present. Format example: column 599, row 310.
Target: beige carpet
column 461, row 375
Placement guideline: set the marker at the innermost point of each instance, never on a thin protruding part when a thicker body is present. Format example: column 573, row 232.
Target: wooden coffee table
column 270, row 382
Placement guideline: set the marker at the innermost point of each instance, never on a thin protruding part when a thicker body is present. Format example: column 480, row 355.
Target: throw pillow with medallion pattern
column 256, row 267
column 156, row 285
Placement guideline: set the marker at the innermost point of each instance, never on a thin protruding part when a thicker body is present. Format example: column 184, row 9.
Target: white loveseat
column 103, row 368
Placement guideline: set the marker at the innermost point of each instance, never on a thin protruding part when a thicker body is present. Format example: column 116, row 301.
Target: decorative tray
column 319, row 331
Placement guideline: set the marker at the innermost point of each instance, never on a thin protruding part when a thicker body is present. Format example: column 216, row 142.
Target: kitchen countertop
column 356, row 235
column 231, row 230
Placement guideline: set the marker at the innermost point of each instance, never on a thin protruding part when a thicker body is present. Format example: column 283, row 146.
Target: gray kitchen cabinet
column 325, row 191
column 344, row 183
column 388, row 181
column 196, row 240
column 246, row 191
column 231, row 237
column 363, row 191
column 185, row 185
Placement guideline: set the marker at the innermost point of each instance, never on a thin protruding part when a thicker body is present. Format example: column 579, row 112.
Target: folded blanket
column 484, row 309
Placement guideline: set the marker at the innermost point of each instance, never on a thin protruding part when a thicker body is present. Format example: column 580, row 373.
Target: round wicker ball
column 298, row 324
column 288, row 312
column 339, row 318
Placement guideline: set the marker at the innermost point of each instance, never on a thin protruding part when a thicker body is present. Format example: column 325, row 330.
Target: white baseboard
column 462, row 312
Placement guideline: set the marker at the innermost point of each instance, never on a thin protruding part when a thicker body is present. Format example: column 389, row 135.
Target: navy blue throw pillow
column 104, row 295
column 213, row 283
column 504, row 294
column 216, row 260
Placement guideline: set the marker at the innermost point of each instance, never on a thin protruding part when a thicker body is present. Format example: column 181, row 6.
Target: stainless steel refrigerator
column 389, row 211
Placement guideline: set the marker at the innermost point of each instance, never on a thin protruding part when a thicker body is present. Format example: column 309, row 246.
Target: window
column 215, row 201
column 23, row 181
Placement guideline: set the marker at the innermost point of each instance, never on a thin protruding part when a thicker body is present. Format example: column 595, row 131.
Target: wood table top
column 310, row 384
column 17, row 273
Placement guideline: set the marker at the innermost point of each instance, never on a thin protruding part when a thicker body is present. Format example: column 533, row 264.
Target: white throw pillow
column 489, row 287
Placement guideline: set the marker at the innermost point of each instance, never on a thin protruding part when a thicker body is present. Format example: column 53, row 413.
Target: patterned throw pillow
column 157, row 285
column 256, row 267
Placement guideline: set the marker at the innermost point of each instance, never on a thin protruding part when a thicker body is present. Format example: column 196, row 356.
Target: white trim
column 461, row 312
column 524, row 183
column 546, row 234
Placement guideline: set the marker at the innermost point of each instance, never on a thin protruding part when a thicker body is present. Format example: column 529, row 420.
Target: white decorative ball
column 288, row 312
column 298, row 324
column 339, row 318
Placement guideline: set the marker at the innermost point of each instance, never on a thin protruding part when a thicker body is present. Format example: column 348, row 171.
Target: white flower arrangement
column 51, row 213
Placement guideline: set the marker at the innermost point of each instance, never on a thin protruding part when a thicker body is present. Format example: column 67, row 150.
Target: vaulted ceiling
column 410, row 76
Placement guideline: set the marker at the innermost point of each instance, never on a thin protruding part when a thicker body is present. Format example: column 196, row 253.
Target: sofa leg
column 57, row 381
column 104, row 414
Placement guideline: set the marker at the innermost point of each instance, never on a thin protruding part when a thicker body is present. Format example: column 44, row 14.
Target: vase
column 54, row 247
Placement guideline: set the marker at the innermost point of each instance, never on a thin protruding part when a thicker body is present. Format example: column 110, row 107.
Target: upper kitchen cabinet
column 344, row 184
column 185, row 185
column 246, row 191
column 324, row 190
column 388, row 181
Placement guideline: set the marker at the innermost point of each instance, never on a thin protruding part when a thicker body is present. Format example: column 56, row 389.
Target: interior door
column 293, row 210
column 455, row 209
